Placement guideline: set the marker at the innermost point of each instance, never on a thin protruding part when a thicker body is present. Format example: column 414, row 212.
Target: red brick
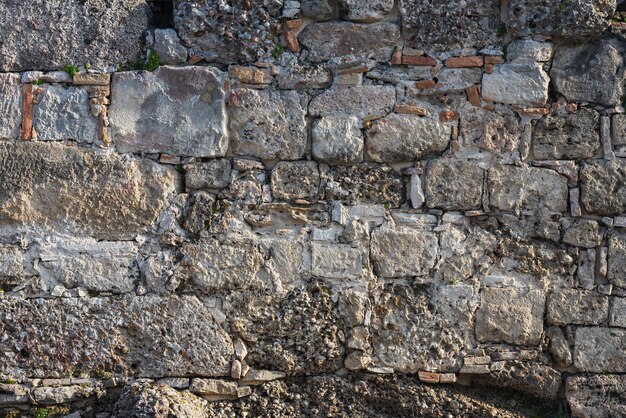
column 494, row 60
column 27, row 112
column 408, row 109
column 429, row 377
column 419, row 60
column 195, row 59
column 473, row 95
column 489, row 68
column 291, row 40
column 396, row 59
column 463, row 62
column 448, row 115
column 425, row 84
column 293, row 24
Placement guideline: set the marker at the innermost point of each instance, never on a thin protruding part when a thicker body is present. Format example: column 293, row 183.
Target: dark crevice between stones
column 162, row 14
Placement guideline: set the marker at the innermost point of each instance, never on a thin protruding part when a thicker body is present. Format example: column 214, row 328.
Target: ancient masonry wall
column 316, row 208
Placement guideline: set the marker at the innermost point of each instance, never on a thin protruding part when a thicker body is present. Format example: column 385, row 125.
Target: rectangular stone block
column 572, row 137
column 336, row 261
column 516, row 84
column 617, row 259
column 603, row 190
column 363, row 183
column 579, row 307
column 359, row 101
column 617, row 317
column 213, row 174
column 11, row 261
column 600, row 350
column 10, row 106
column 454, row 185
column 295, row 180
column 596, row 395
column 173, row 110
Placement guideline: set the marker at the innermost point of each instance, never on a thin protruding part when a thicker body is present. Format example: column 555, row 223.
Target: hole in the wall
column 163, row 14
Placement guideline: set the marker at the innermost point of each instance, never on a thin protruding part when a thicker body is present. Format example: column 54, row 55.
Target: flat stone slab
column 173, row 110
column 10, row 106
column 516, row 84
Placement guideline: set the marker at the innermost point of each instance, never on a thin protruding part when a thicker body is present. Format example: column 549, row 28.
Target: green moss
column 278, row 51
column 41, row 413
column 153, row 61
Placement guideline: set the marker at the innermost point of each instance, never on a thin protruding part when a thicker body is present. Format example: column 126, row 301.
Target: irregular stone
column 516, row 84
column 572, row 19
column 213, row 387
column 428, row 25
column 295, row 180
column 301, row 77
column 454, row 185
column 199, row 212
column 535, row 379
column 510, row 315
column 64, row 113
column 213, row 174
column 595, row 395
column 69, row 189
column 145, row 399
column 529, row 51
column 587, row 269
column 617, row 259
column 98, row 266
column 10, row 106
column 497, row 132
column 617, row 318
column 603, row 191
column 576, row 307
column 317, row 9
column 358, row 101
column 600, row 350
column 363, row 183
column 337, row 139
column 168, row 47
column 177, row 111
column 336, row 261
column 337, row 39
column 403, row 251
column 12, row 261
column 618, row 129
column 559, row 346
column 588, row 73
column 398, row 138
column 268, row 124
column 575, row 136
column 367, row 11
column 89, row 334
column 582, row 232
column 175, row 382
column 524, row 188
column 258, row 377
column 62, row 394
column 100, row 34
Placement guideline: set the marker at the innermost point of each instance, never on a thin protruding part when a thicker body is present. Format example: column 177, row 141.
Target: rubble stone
column 295, row 180
column 594, row 395
column 336, row 261
column 213, row 174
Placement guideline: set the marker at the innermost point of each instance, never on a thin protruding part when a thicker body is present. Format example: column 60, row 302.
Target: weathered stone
column 295, row 180
column 454, row 184
column 268, row 124
column 258, row 377
column 517, row 84
column 524, row 188
column 210, row 387
column 213, row 174
column 600, row 350
column 91, row 79
column 403, row 251
column 100, row 34
column 62, row 394
column 603, row 191
column 510, row 315
column 317, row 9
column 367, row 11
column 618, row 129
column 535, row 379
column 97, row 266
column 64, row 113
column 406, row 138
column 79, row 191
column 528, row 51
column 358, row 101
column 337, row 139
column 10, row 106
column 596, row 395
column 363, row 183
column 582, row 232
column 336, row 261
column 576, row 307
column 588, row 72
column 144, row 399
column 617, row 317
column 559, row 346
column 12, row 261
column 617, row 259
column 87, row 335
column 496, row 131
column 571, row 19
column 337, row 39
column 574, row 136
column 168, row 47
column 199, row 212
column 300, row 77
column 178, row 111
column 430, row 25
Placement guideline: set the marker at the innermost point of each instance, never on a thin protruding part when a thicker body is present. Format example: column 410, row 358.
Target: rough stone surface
column 367, row 11
column 52, row 188
column 295, row 180
column 337, row 39
column 267, row 124
column 213, row 174
column 574, row 136
column 144, row 399
column 446, row 189
column 596, row 395
column 589, row 73
column 46, row 36
column 579, row 307
column 617, row 317
column 363, row 183
column 617, row 260
column 359, row 101
column 517, row 84
column 510, row 315
column 603, row 191
column 10, row 106
column 337, row 261
column 405, row 138
column 337, row 139
column 600, row 350
column 179, row 111
column 168, row 47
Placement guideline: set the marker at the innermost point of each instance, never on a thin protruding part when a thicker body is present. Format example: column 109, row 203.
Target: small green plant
column 9, row 381
column 41, row 413
column 38, row 82
column 502, row 29
column 87, row 66
column 278, row 51
column 71, row 69
column 387, row 205
column 452, row 282
column 153, row 61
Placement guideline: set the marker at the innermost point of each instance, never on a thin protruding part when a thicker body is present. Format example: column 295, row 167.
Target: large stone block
column 454, row 185
column 359, row 101
column 570, row 19
column 406, row 138
column 268, row 124
column 403, row 251
column 600, row 350
column 519, row 189
column 64, row 113
column 588, row 73
column 596, row 395
column 441, row 26
column 180, row 111
column 517, row 84
column 336, row 261
column 74, row 190
column 363, row 183
column 10, row 106
column 145, row 336
column 602, row 190
column 213, row 174
column 576, row 307
column 45, row 35
column 336, row 39
column 295, row 180
column 617, row 259
column 510, row 315
column 572, row 137
column 337, row 139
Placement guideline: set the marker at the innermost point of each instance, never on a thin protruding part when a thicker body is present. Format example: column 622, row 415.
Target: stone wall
column 315, row 208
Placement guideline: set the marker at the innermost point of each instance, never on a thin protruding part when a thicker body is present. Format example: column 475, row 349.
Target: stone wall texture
column 315, row 208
